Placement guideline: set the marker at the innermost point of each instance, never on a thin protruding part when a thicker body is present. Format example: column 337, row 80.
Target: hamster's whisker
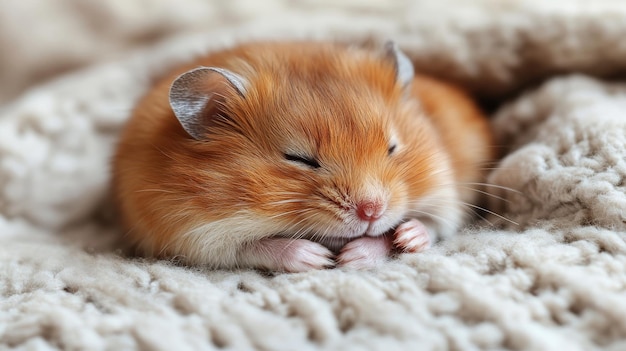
column 446, row 185
column 463, row 208
column 446, row 205
column 292, row 224
column 298, row 211
column 493, row 168
column 485, row 193
column 293, row 238
column 491, row 224
column 318, row 236
column 443, row 202
column 430, row 215
column 494, row 186
column 492, row 213
column 288, row 201
column 282, row 193
column 442, row 219
column 299, row 234
column 496, row 162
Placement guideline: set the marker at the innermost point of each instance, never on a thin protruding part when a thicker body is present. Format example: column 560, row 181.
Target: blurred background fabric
column 40, row 40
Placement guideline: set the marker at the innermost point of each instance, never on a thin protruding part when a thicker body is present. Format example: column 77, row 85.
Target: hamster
column 296, row 156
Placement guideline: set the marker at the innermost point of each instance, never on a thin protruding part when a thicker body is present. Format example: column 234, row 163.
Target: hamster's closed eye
column 302, row 160
column 297, row 156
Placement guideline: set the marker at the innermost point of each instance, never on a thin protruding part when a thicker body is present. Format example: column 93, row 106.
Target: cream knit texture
column 546, row 271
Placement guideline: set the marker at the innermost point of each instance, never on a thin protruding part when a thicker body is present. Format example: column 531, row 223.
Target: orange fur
column 463, row 128
column 207, row 201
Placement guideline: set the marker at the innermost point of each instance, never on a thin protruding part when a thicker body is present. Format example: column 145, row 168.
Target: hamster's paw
column 411, row 236
column 365, row 252
column 290, row 255
column 302, row 255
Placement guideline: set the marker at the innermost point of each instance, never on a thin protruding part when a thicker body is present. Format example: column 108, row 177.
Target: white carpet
column 555, row 281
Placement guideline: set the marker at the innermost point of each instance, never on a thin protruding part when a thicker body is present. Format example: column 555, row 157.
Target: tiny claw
column 365, row 252
column 412, row 236
column 289, row 255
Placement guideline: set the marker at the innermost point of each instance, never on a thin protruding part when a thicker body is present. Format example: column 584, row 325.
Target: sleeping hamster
column 297, row 156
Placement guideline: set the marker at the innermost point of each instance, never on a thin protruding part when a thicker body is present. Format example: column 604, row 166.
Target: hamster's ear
column 195, row 96
column 402, row 64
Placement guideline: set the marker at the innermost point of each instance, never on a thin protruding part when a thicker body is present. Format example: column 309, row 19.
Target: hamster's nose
column 370, row 210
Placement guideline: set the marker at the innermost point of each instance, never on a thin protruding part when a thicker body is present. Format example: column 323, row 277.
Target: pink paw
column 307, row 255
column 365, row 252
column 290, row 255
column 411, row 236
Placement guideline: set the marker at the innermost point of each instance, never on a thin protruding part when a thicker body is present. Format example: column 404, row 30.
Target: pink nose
column 370, row 210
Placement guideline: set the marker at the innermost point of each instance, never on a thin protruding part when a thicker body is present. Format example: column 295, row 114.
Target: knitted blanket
column 546, row 271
